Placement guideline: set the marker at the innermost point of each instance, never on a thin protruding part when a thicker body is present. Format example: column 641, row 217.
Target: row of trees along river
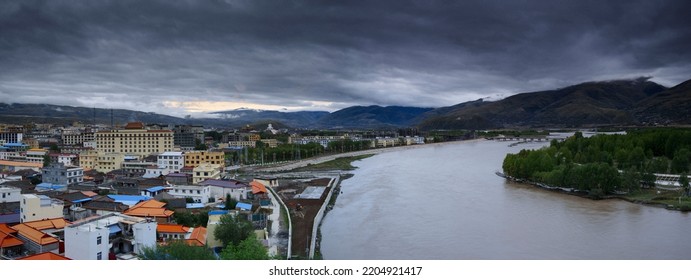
column 607, row 164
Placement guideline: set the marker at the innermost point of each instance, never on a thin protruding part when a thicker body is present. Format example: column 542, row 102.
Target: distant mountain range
column 621, row 102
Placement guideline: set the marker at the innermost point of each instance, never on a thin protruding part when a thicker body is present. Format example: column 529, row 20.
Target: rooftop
column 172, row 228
column 56, row 223
column 149, row 208
column 223, row 183
column 21, row 163
column 34, row 235
column 47, row 256
column 197, row 237
column 258, row 187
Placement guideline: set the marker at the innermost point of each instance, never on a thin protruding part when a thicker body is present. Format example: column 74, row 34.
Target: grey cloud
column 298, row 53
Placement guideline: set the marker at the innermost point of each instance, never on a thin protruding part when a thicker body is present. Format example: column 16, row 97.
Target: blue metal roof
column 218, row 212
column 81, row 200
column 128, row 200
column 15, row 145
column 194, row 205
column 128, row 197
column 243, row 206
column 155, row 189
column 114, row 229
column 49, row 186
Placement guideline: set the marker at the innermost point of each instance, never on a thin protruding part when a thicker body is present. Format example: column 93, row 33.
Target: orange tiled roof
column 149, row 208
column 21, row 163
column 134, row 125
column 7, row 229
column 89, row 193
column 198, row 237
column 257, row 187
column 47, row 256
column 34, row 235
column 171, row 228
column 7, row 240
column 56, row 223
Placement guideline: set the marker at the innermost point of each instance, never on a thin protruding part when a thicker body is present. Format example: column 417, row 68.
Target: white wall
column 81, row 242
column 144, row 236
column 10, row 194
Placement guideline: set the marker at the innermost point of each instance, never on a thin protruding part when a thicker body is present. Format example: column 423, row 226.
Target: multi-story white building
column 11, row 137
column 321, row 140
column 66, row 159
column 95, row 239
column 200, row 194
column 39, row 207
column 77, row 138
column 10, row 194
column 171, row 161
column 249, row 144
column 134, row 139
column 60, row 174
column 206, row 171
column 35, row 155
column 219, row 189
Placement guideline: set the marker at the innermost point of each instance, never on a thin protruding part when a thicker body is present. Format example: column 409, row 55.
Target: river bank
column 289, row 166
column 649, row 197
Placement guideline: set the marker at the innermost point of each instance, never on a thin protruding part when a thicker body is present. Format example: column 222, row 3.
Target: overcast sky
column 180, row 57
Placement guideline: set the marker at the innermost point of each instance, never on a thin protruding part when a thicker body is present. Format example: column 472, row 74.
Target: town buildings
column 61, row 174
column 171, row 161
column 134, row 139
column 36, row 207
column 187, row 136
column 206, row 171
column 195, row 158
column 110, row 235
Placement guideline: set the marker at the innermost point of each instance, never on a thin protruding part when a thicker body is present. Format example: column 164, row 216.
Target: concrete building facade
column 115, row 233
column 195, row 158
column 39, row 207
column 60, row 174
column 134, row 139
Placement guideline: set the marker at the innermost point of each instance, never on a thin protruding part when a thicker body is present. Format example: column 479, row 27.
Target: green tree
column 46, row 160
column 680, row 162
column 199, row 146
column 249, row 249
column 177, row 250
column 230, row 203
column 232, row 230
column 54, row 148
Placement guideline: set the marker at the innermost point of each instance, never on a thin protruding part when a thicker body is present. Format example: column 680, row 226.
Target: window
column 99, row 255
column 98, row 240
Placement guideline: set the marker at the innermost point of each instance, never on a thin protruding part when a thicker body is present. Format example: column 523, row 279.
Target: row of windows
column 191, row 191
column 137, row 135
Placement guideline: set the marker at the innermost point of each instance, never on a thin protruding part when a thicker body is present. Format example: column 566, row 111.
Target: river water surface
column 445, row 202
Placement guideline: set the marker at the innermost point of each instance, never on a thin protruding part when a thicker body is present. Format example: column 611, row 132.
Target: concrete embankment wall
column 320, row 215
column 290, row 222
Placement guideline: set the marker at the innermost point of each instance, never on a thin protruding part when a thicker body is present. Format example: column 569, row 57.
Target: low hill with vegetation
column 605, row 165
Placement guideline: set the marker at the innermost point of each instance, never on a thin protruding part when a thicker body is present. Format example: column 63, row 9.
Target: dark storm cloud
column 325, row 55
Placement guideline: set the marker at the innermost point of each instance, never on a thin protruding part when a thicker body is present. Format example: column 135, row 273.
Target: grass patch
column 669, row 199
column 341, row 163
